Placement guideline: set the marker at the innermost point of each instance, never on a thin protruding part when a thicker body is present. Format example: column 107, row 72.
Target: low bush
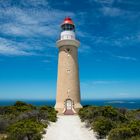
column 102, row 126
column 135, row 127
column 4, row 123
column 90, row 113
column 25, row 121
column 49, row 113
column 130, row 131
column 120, row 134
column 134, row 138
column 29, row 129
column 118, row 123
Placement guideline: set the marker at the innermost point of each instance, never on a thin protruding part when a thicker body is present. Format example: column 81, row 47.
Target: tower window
column 68, row 71
column 68, row 50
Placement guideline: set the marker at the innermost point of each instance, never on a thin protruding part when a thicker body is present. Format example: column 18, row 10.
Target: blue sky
column 109, row 55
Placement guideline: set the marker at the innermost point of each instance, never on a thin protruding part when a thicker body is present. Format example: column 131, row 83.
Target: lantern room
column 68, row 25
column 68, row 29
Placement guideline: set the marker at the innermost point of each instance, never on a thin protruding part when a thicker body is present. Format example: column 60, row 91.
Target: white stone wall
column 67, row 35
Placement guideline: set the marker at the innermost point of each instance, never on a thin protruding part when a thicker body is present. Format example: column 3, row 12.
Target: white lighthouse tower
column 68, row 85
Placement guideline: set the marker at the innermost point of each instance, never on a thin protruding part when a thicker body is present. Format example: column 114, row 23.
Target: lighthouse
column 68, row 84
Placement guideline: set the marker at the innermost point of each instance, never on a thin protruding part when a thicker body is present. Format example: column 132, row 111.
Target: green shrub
column 83, row 113
column 4, row 123
column 134, row 138
column 102, row 126
column 128, row 131
column 23, row 120
column 30, row 129
column 119, row 123
column 123, row 133
column 135, row 127
column 133, row 114
column 48, row 113
column 20, row 103
column 22, row 106
column 90, row 113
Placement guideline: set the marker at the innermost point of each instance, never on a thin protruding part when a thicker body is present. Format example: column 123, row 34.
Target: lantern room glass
column 68, row 27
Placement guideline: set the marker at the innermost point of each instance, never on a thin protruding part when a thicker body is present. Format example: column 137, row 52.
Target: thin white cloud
column 34, row 23
column 110, row 11
column 5, row 50
column 127, row 58
column 84, row 48
column 46, row 61
column 112, row 40
column 103, row 2
column 30, row 23
column 103, row 82
column 98, row 82
column 8, row 47
column 34, row 3
column 107, row 8
column 124, row 94
column 118, row 12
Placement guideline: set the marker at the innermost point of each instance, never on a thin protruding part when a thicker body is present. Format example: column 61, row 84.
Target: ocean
column 121, row 103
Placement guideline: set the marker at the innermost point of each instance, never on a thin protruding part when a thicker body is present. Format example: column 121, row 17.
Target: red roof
column 68, row 20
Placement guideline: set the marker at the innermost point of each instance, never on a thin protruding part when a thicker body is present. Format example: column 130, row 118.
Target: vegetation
column 102, row 125
column 24, row 121
column 112, row 123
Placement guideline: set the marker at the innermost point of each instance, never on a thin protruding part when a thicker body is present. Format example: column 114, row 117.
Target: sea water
column 120, row 103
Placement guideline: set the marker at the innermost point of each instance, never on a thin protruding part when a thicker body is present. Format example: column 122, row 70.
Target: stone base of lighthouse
column 61, row 108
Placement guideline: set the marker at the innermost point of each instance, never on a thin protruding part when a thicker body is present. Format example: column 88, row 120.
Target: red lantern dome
column 68, row 20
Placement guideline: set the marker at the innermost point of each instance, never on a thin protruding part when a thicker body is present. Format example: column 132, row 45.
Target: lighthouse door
column 68, row 104
column 68, row 107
